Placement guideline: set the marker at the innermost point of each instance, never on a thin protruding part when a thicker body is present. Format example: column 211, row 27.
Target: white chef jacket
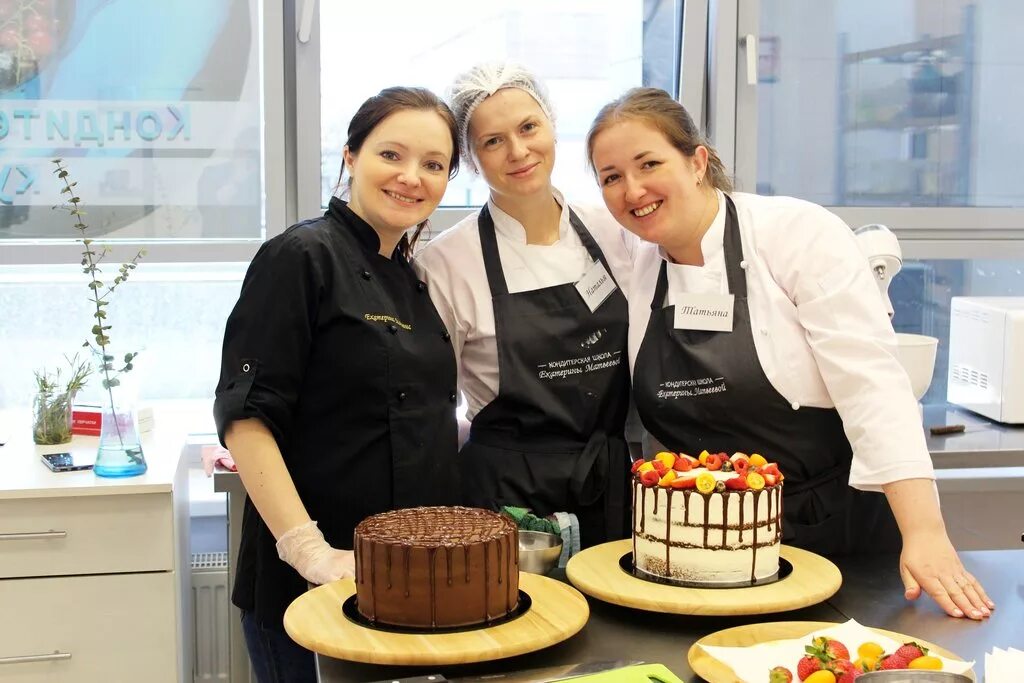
column 819, row 322
column 452, row 265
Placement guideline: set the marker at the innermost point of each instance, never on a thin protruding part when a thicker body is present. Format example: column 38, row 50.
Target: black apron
column 698, row 390
column 552, row 439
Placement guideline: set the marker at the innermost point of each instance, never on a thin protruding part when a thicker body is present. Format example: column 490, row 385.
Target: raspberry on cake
column 725, row 528
column 436, row 567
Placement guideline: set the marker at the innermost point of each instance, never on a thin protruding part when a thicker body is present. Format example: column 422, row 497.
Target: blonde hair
column 657, row 108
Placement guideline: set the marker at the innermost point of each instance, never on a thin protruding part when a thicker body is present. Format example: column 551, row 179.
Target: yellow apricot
column 926, row 662
column 823, row 676
column 870, row 649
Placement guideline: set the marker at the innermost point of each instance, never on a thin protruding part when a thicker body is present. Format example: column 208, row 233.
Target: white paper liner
column 752, row 664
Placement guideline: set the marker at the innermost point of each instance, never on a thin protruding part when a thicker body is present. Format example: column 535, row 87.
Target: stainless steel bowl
column 538, row 551
column 913, row 676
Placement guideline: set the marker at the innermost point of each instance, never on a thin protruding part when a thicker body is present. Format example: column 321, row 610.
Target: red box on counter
column 86, row 420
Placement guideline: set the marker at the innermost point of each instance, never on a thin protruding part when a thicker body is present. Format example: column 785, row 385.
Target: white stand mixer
column 916, row 352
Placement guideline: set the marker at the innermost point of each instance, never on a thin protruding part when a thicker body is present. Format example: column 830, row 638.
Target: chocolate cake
column 436, row 567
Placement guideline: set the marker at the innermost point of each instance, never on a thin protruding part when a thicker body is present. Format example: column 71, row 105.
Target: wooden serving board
column 596, row 572
column 716, row 671
column 315, row 621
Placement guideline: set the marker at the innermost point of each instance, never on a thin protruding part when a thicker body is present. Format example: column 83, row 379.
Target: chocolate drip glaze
column 668, row 528
column 422, row 598
column 741, row 520
column 725, row 516
column 773, row 523
column 753, row 546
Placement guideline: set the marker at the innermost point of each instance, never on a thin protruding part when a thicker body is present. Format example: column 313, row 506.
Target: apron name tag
column 710, row 312
column 595, row 286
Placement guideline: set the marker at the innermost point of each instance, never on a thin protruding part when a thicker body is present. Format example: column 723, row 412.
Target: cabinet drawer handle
column 35, row 658
column 33, row 535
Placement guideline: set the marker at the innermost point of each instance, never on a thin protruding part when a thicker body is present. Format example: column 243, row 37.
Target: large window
column 156, row 109
column 901, row 112
column 586, row 51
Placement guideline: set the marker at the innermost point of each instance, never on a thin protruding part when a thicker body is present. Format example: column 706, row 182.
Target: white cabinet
column 94, row 573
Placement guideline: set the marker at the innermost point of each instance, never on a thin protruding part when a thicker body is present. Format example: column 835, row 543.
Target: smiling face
column 650, row 186
column 513, row 144
column 401, row 170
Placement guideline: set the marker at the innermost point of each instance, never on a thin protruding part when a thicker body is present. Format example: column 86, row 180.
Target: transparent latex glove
column 305, row 549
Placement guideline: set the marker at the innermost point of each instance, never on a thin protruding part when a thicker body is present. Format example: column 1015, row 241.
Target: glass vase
column 51, row 418
column 120, row 451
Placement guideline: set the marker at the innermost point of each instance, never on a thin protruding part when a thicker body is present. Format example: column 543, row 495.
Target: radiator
column 211, row 621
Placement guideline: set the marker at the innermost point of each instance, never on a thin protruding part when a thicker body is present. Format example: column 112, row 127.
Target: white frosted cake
column 696, row 522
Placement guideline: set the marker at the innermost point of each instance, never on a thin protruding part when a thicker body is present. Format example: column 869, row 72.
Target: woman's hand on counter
column 930, row 563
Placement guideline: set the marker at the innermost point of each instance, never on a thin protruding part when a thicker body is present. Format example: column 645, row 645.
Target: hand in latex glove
column 305, row 549
column 929, row 562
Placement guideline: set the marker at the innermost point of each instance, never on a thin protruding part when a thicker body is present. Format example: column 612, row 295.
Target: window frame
column 732, row 122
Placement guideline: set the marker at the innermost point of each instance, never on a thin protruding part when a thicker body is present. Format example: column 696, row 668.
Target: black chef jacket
column 340, row 352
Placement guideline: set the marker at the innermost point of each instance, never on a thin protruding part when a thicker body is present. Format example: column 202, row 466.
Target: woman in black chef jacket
column 530, row 288
column 755, row 326
column 337, row 379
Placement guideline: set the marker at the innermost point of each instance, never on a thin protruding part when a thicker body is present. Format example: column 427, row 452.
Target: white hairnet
column 483, row 80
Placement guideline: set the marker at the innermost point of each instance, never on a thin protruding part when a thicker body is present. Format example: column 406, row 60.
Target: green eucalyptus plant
column 51, row 418
column 100, row 292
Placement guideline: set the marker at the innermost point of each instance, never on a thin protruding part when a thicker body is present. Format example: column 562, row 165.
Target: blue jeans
column 275, row 657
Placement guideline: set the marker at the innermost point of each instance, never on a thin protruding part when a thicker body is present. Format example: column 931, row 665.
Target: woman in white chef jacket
column 531, row 290
column 755, row 326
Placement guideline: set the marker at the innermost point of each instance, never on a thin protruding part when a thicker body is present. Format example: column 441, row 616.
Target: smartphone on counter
column 65, row 462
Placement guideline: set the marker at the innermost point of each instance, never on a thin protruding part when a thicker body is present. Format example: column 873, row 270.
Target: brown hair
column 657, row 108
column 384, row 104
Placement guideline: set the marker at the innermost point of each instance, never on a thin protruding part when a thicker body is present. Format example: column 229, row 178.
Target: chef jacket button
column 452, row 396
column 743, row 265
column 420, row 286
column 795, row 405
column 366, row 274
column 446, row 336
column 401, row 395
column 245, row 367
column 764, row 331
column 393, row 329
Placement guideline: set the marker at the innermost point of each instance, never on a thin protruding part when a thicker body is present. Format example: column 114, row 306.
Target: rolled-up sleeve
column 267, row 338
column 847, row 327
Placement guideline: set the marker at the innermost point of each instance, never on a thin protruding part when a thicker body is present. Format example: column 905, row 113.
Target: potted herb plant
column 120, row 449
column 51, row 407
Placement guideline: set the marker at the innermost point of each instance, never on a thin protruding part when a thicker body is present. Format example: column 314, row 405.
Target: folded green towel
column 528, row 521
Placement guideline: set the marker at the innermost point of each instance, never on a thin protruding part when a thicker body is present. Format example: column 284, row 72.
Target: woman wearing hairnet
column 531, row 290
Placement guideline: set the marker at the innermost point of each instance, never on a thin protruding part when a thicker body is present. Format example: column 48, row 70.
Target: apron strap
column 825, row 477
column 597, row 473
column 489, row 247
column 733, row 248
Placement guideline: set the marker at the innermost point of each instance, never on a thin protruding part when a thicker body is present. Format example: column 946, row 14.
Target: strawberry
column 831, row 649
column 771, row 468
column 650, row 478
column 780, row 674
column 714, row 462
column 911, row 651
column 769, row 478
column 807, row 665
column 683, row 464
column 844, row 670
column 738, row 483
column 659, row 467
column 684, row 483
column 893, row 661
column 636, row 465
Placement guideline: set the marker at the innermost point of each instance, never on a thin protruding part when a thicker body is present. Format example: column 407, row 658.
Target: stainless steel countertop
column 872, row 593
column 984, row 443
